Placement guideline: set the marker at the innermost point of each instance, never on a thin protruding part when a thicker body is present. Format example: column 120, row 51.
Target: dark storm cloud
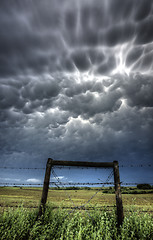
column 81, row 60
column 40, row 89
column 143, row 10
column 144, row 31
column 74, row 88
column 139, row 91
column 76, row 80
column 23, row 45
column 8, row 97
column 106, row 67
column 95, row 56
column 37, row 93
column 83, row 112
column 119, row 34
column 88, row 104
column 36, row 38
column 134, row 55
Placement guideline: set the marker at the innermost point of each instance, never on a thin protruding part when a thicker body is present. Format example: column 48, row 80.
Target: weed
column 21, row 224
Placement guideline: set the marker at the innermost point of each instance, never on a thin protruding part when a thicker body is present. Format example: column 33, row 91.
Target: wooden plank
column 45, row 186
column 83, row 164
column 119, row 204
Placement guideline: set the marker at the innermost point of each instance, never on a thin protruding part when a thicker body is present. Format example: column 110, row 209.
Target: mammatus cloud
column 65, row 36
column 112, row 115
column 76, row 81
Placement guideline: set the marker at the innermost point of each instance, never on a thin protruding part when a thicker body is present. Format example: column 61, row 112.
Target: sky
column 76, row 83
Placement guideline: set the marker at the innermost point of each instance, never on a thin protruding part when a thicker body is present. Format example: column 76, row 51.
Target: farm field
column 30, row 198
column 20, row 206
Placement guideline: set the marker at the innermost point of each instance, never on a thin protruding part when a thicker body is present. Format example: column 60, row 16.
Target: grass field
column 19, row 211
column 30, row 197
column 22, row 224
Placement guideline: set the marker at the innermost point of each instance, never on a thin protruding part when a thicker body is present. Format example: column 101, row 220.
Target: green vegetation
column 30, row 197
column 22, row 224
column 144, row 186
column 140, row 189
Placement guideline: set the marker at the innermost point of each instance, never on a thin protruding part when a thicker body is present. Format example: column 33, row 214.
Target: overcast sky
column 76, row 81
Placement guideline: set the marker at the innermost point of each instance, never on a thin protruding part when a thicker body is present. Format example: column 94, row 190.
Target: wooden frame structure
column 114, row 165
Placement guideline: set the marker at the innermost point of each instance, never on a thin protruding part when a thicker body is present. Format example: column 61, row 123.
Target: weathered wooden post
column 119, row 205
column 45, row 186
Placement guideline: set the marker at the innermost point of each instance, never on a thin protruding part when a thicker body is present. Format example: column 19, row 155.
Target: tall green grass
column 22, row 224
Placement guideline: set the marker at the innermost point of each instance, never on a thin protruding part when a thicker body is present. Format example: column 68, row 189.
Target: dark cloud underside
column 76, row 80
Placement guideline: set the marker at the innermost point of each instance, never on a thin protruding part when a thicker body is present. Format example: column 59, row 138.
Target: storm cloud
column 76, row 81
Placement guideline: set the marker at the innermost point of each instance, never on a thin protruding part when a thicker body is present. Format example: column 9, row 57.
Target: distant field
column 30, row 197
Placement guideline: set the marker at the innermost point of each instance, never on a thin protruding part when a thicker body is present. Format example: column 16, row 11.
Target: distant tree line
column 144, row 186
column 139, row 189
